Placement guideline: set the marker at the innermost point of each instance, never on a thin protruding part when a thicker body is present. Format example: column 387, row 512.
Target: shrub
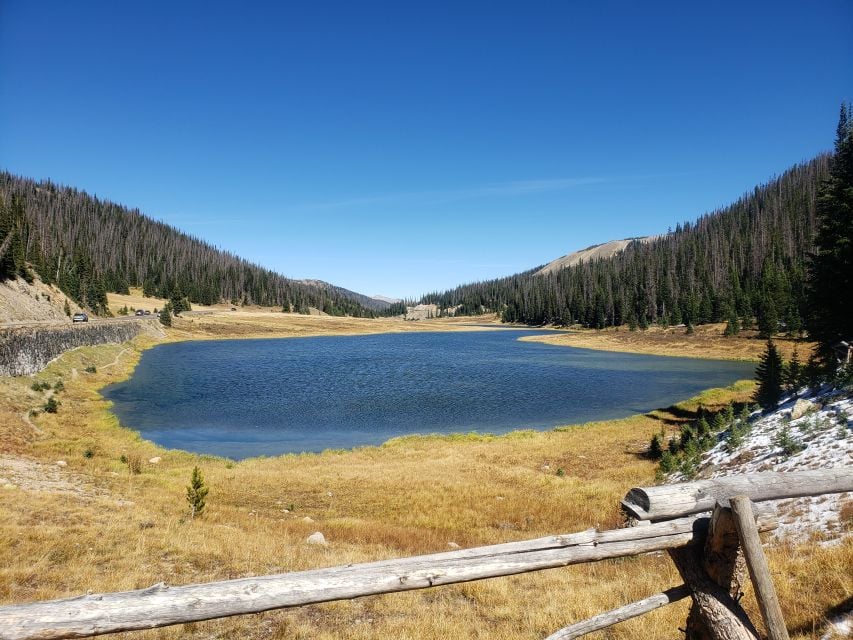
column 561, row 472
column 88, row 453
column 134, row 463
column 196, row 493
column 59, row 386
column 667, row 462
column 51, row 405
column 91, row 369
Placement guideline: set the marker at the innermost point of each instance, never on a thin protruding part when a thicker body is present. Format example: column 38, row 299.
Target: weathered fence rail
column 686, row 538
column 676, row 500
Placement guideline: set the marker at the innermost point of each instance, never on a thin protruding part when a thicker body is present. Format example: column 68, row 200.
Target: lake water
column 241, row 398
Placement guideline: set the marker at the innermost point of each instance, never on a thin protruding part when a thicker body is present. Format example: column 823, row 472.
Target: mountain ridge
column 89, row 246
column 743, row 263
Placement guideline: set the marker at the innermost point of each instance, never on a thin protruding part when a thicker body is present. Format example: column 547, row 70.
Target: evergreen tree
column 196, row 493
column 732, row 326
column 655, row 447
column 813, row 373
column 831, row 269
column 768, row 319
column 769, row 374
column 166, row 315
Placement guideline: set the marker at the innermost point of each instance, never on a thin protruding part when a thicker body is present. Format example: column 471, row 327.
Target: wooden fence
column 707, row 527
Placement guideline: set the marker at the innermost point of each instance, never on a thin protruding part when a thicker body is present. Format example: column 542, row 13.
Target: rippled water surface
column 240, row 398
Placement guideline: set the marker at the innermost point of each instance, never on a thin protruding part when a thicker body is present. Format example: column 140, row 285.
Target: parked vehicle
column 140, row 312
column 147, row 312
column 79, row 317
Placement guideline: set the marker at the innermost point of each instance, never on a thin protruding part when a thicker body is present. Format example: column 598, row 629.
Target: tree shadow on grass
column 833, row 613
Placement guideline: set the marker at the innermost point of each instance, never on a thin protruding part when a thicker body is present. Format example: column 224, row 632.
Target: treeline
column 745, row 262
column 89, row 246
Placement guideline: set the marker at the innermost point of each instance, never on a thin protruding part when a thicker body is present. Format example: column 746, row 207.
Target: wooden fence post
column 723, row 562
column 721, row 615
column 759, row 571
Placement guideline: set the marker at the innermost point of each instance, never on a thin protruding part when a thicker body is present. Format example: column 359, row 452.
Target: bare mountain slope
column 596, row 251
column 36, row 302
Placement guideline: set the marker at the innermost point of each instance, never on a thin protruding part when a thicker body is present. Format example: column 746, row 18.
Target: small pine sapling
column 655, row 448
column 196, row 493
column 789, row 445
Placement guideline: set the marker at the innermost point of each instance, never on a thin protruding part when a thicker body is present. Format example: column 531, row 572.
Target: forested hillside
column 89, row 246
column 743, row 262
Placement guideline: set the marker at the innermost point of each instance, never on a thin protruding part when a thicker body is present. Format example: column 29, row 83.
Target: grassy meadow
column 110, row 519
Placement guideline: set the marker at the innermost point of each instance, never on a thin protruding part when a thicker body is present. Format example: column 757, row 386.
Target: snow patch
column 821, row 438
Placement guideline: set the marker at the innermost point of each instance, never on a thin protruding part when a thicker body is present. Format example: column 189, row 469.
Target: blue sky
column 400, row 148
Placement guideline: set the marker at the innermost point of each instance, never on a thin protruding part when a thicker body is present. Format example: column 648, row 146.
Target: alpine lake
column 244, row 398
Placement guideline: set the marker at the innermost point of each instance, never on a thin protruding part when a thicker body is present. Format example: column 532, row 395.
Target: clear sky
column 400, row 148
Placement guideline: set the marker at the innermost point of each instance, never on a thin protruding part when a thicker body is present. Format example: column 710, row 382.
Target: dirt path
column 115, row 361
column 25, row 416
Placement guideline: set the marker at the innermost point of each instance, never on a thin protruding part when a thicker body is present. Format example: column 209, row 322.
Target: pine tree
column 196, row 493
column 813, row 374
column 655, row 447
column 166, row 315
column 831, row 268
column 769, row 374
column 732, row 326
column 768, row 319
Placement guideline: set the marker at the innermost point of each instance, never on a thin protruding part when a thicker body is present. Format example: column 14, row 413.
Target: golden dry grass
column 220, row 322
column 707, row 341
column 270, row 323
column 113, row 530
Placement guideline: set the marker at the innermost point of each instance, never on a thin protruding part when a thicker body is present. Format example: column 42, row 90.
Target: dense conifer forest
column 744, row 263
column 89, row 246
